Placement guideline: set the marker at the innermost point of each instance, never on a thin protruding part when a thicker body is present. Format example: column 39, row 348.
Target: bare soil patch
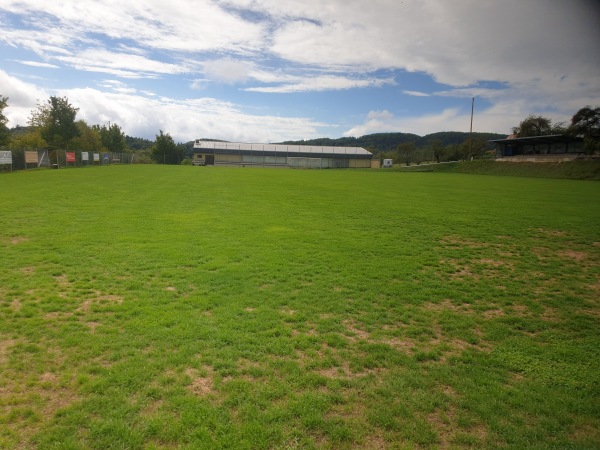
column 200, row 385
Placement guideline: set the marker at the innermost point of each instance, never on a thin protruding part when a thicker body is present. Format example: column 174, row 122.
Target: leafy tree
column 28, row 140
column 89, row 138
column 56, row 120
column 405, row 152
column 537, row 126
column 4, row 131
column 437, row 149
column 113, row 138
column 473, row 147
column 165, row 151
column 586, row 124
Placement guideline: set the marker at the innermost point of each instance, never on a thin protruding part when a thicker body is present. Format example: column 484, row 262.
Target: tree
column 165, row 151
column 537, row 126
column 113, row 138
column 89, row 138
column 473, row 147
column 4, row 131
column 437, row 149
column 56, row 120
column 585, row 123
column 27, row 141
column 405, row 152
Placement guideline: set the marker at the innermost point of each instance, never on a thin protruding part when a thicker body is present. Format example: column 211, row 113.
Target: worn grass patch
column 184, row 307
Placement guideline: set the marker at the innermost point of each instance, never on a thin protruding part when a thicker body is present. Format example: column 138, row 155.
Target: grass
column 572, row 170
column 156, row 307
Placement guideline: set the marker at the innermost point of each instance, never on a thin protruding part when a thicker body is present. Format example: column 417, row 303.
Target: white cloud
column 415, row 93
column 448, row 120
column 177, row 25
column 322, row 83
column 122, row 64
column 187, row 119
column 22, row 98
column 38, row 64
column 144, row 115
column 543, row 54
column 227, row 70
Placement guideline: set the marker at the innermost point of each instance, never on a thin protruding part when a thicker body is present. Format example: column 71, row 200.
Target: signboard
column 70, row 157
column 106, row 157
column 31, row 157
column 84, row 156
column 96, row 156
column 5, row 157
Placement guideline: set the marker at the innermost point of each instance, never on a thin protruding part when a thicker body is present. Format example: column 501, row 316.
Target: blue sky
column 274, row 70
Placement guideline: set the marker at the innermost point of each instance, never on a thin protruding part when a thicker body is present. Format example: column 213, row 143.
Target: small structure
column 279, row 155
column 555, row 147
column 388, row 163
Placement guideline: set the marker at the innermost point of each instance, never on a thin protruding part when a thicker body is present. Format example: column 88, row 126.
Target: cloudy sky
column 273, row 70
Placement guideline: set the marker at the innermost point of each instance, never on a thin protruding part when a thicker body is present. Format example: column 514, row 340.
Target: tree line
column 407, row 148
column 53, row 125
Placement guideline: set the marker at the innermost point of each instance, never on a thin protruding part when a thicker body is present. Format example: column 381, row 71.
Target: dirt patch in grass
column 343, row 370
column 573, row 255
column 200, row 385
column 448, row 305
column 57, row 315
column 99, row 298
column 491, row 262
column 586, row 433
column 551, row 233
column 493, row 313
column 458, row 241
column 62, row 280
column 92, row 326
column 42, row 400
column 444, row 422
column 461, row 270
column 405, row 345
column 16, row 240
column 5, row 346
column 357, row 333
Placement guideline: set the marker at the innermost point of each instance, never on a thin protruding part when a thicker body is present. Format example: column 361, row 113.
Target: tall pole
column 472, row 109
column 471, row 129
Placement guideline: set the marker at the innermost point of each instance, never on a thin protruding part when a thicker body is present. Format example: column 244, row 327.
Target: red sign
column 71, row 157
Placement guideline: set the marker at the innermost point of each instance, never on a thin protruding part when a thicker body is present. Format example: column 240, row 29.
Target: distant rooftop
column 281, row 148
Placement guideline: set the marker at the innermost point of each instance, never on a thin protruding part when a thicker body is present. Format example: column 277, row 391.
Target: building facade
column 279, row 155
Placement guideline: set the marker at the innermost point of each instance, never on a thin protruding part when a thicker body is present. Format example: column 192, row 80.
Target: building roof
column 280, row 148
column 538, row 140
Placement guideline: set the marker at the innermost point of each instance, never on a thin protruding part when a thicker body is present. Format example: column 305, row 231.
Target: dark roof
column 538, row 140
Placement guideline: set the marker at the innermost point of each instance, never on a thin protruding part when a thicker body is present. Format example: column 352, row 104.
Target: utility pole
column 471, row 129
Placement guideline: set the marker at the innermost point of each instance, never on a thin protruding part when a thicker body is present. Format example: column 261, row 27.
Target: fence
column 30, row 159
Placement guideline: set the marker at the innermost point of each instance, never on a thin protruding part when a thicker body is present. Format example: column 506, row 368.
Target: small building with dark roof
column 279, row 155
column 555, row 147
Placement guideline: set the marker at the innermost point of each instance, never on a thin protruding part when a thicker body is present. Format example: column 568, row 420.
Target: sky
column 276, row 70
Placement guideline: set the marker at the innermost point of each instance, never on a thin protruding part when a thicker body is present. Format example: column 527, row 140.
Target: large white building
column 280, row 155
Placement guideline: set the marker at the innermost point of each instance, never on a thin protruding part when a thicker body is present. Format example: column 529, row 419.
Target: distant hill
column 389, row 141
column 135, row 143
column 378, row 142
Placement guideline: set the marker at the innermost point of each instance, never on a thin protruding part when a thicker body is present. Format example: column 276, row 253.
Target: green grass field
column 147, row 307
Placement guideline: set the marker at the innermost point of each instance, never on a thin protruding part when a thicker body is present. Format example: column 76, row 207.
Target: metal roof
column 539, row 140
column 281, row 148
